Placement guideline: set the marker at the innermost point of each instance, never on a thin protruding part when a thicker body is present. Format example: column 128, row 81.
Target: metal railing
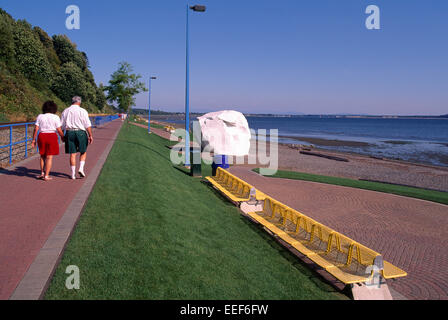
column 98, row 120
column 11, row 143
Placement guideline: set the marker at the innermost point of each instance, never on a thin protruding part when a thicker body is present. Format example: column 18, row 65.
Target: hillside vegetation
column 35, row 67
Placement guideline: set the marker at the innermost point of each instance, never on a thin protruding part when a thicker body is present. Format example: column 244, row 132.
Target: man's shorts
column 48, row 144
column 76, row 141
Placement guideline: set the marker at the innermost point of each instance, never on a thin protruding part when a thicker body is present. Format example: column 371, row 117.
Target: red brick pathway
column 410, row 233
column 31, row 208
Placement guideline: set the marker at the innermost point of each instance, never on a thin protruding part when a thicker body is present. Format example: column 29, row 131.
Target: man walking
column 76, row 122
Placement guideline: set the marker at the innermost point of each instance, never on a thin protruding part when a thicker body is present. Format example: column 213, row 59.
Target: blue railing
column 11, row 143
column 100, row 120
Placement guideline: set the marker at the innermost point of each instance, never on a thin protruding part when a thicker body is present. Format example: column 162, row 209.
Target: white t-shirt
column 75, row 117
column 48, row 122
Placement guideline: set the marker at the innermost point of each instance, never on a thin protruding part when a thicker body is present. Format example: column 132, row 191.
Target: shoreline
column 364, row 167
column 328, row 142
column 360, row 155
column 359, row 166
column 338, row 143
column 411, row 151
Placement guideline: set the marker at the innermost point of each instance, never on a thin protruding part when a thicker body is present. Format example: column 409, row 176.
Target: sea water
column 418, row 140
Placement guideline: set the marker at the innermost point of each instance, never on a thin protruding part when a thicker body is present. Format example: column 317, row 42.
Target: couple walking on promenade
column 76, row 124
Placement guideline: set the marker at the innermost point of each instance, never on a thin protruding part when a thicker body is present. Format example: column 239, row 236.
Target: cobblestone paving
column 30, row 208
column 410, row 233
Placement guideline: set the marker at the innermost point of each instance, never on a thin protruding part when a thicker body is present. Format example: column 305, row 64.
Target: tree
column 35, row 67
column 70, row 81
column 7, row 39
column 67, row 52
column 123, row 86
column 47, row 42
column 100, row 97
column 30, row 55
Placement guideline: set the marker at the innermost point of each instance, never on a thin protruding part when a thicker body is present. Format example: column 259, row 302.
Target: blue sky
column 283, row 56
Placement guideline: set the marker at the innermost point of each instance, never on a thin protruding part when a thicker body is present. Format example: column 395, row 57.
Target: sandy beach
column 365, row 167
column 358, row 166
column 328, row 142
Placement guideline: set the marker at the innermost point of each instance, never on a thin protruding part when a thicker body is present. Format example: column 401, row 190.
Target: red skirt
column 48, row 144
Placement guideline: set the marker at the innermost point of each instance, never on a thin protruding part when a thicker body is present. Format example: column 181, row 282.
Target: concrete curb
column 37, row 279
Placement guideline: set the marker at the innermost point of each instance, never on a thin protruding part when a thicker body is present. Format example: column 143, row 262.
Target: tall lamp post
column 149, row 104
column 197, row 8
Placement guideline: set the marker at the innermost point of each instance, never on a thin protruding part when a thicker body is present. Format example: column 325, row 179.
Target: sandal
column 41, row 176
column 47, row 178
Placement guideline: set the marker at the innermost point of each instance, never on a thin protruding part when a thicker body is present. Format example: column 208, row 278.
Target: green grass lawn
column 435, row 196
column 150, row 231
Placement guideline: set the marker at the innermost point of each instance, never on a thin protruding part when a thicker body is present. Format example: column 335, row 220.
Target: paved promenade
column 410, row 233
column 31, row 208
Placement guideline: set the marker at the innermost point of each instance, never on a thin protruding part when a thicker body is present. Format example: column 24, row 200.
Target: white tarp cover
column 226, row 132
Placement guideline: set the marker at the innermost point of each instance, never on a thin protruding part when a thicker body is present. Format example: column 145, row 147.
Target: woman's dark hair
column 49, row 107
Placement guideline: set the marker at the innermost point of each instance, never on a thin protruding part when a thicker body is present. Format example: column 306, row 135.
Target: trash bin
column 220, row 161
column 196, row 161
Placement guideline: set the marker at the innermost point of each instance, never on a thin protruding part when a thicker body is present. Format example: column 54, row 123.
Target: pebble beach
column 360, row 167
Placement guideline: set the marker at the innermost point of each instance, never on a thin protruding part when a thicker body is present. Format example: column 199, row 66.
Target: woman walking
column 49, row 124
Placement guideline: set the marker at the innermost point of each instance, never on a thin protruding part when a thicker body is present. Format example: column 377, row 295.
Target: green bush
column 30, row 55
column 69, row 82
column 47, row 42
column 7, row 47
column 20, row 101
column 35, row 67
column 67, row 52
column 100, row 97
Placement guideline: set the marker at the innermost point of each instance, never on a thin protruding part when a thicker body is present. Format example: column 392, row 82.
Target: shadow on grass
column 309, row 269
column 182, row 169
column 145, row 147
column 218, row 194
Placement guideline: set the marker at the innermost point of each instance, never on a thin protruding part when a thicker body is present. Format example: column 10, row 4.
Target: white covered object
column 225, row 132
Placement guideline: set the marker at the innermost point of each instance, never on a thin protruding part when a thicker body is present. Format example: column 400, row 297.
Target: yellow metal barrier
column 347, row 260
column 233, row 187
column 169, row 128
column 100, row 114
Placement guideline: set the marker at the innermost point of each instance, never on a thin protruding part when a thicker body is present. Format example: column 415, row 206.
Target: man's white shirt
column 75, row 117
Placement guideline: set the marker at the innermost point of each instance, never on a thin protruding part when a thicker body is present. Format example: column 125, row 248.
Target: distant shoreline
column 181, row 116
column 326, row 116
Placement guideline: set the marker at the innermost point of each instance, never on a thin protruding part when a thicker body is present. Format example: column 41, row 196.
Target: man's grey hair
column 76, row 99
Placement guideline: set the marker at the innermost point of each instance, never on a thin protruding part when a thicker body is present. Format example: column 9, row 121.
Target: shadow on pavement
column 30, row 173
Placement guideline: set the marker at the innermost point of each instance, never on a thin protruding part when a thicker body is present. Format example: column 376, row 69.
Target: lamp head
column 198, row 8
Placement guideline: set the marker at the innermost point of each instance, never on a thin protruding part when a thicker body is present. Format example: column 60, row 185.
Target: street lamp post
column 149, row 104
column 197, row 8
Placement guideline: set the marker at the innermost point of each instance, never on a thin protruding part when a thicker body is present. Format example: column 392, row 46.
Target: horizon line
column 307, row 114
